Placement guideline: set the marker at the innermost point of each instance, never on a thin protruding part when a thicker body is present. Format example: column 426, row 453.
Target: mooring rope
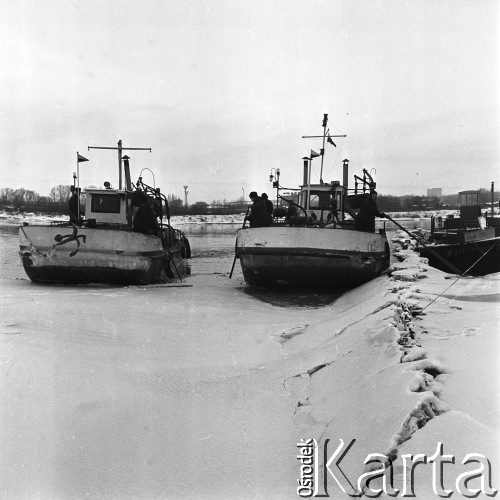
column 43, row 254
column 461, row 276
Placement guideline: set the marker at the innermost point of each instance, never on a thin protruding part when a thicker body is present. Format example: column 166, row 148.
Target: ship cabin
column 322, row 199
column 106, row 207
column 470, row 207
column 470, row 210
column 468, row 226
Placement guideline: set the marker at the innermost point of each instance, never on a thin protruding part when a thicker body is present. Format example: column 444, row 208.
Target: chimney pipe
column 306, row 171
column 126, row 169
column 492, row 198
column 345, row 171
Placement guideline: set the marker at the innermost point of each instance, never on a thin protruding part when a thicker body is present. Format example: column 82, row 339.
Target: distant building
column 435, row 192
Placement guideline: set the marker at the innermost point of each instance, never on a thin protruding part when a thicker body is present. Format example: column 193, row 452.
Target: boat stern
column 311, row 257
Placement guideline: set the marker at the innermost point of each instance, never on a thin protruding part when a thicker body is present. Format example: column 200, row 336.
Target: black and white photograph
column 249, row 250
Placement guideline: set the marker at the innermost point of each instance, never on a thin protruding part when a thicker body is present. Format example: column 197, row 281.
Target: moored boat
column 323, row 241
column 470, row 242
column 323, row 257
column 108, row 245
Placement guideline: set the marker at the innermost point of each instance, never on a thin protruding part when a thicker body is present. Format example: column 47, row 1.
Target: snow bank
column 423, row 214
column 7, row 218
column 207, row 219
column 389, row 363
column 16, row 219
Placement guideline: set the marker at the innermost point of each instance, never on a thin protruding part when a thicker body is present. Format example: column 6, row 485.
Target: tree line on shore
column 25, row 200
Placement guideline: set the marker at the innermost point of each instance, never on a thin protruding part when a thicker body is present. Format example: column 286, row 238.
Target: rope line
column 43, row 254
column 333, row 164
column 461, row 276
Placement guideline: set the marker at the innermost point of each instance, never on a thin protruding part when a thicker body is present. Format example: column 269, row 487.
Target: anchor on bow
column 66, row 238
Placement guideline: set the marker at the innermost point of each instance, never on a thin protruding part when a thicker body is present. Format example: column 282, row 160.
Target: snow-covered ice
column 203, row 391
column 400, row 374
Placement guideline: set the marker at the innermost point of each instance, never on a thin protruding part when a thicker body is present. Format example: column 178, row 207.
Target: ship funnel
column 126, row 169
column 345, row 172
column 492, row 198
column 306, row 171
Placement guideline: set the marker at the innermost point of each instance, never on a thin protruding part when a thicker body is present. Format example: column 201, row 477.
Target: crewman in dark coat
column 73, row 206
column 258, row 211
column 333, row 213
column 291, row 214
column 145, row 218
column 269, row 208
column 365, row 220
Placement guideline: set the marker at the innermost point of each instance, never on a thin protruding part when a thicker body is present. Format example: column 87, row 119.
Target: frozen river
column 148, row 392
column 203, row 390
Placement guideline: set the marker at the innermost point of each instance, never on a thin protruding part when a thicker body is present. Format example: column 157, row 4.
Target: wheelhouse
column 322, row 199
column 106, row 206
column 469, row 204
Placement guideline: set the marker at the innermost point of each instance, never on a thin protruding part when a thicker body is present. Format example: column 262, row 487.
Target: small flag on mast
column 330, row 140
column 314, row 154
column 81, row 158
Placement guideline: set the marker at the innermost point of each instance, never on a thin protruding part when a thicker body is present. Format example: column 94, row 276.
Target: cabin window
column 468, row 199
column 105, row 203
column 320, row 200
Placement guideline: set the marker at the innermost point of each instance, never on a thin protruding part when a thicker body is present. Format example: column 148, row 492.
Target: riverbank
column 405, row 363
column 411, row 220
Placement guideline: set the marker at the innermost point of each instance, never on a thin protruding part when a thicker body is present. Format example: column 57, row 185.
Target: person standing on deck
column 365, row 220
column 73, row 206
column 333, row 214
column 144, row 219
column 258, row 211
column 291, row 214
column 269, row 208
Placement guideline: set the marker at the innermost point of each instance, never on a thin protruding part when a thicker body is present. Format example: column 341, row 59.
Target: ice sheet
column 204, row 391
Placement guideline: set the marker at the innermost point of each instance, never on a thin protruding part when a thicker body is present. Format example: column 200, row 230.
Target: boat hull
column 310, row 257
column 464, row 255
column 111, row 256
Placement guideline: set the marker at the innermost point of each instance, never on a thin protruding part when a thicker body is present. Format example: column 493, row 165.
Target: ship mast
column 325, row 120
column 322, row 151
column 120, row 148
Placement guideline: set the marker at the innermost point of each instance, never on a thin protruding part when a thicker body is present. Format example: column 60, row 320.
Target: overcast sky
column 223, row 90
